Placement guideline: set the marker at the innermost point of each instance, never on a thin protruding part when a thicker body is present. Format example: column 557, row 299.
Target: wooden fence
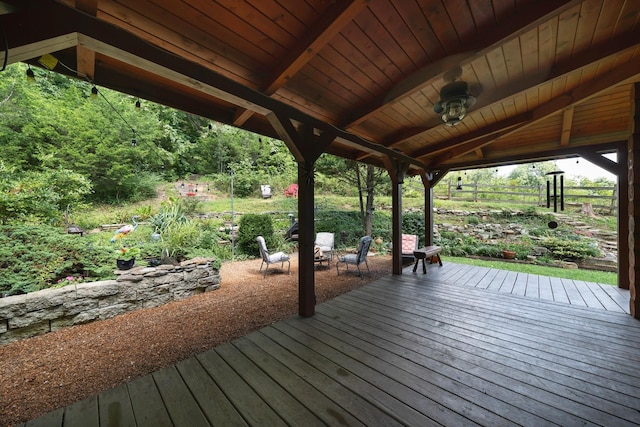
column 601, row 197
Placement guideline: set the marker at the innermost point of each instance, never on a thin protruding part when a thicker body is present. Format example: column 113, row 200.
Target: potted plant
column 126, row 257
column 508, row 254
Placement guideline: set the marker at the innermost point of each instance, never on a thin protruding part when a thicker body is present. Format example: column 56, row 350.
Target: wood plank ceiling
column 552, row 78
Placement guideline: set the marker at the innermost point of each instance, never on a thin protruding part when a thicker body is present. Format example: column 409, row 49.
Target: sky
column 572, row 169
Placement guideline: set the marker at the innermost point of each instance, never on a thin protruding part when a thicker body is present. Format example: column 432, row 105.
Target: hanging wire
column 118, row 113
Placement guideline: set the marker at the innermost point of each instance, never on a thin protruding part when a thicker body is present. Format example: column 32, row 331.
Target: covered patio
column 447, row 348
column 417, row 87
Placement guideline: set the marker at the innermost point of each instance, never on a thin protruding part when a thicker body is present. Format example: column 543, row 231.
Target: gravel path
column 43, row 373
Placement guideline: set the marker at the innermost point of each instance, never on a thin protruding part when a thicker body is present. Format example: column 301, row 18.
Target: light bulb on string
column 31, row 76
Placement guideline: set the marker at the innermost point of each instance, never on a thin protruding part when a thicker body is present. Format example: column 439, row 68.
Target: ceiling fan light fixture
column 454, row 103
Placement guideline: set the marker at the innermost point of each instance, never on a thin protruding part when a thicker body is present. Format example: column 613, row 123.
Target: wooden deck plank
column 390, row 410
column 147, row 404
column 498, row 280
column 579, row 326
column 215, row 405
column 432, row 349
column 509, row 282
column 575, row 298
column 488, row 279
column 555, row 399
column 514, row 405
column 403, row 403
column 559, row 292
column 533, row 287
column 313, row 372
column 620, row 299
column 83, row 413
column 327, row 410
column 180, row 403
column 287, row 406
column 544, row 286
column 520, row 284
column 50, row 419
column 402, row 364
column 472, row 280
column 252, row 408
column 588, row 292
column 114, row 407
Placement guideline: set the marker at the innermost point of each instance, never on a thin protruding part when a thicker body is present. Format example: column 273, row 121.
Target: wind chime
column 555, row 175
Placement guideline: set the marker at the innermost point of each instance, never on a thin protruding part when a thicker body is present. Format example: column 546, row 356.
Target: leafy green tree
column 39, row 195
column 364, row 178
column 528, row 175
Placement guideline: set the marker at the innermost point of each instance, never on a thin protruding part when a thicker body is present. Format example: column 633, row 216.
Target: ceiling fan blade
column 420, row 78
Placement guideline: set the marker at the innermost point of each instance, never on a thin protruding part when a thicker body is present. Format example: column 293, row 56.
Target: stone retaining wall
column 36, row 313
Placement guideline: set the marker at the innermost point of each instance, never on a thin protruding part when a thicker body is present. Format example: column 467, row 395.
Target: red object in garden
column 292, row 191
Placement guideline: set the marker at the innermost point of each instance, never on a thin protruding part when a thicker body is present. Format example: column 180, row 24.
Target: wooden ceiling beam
column 599, row 53
column 600, row 161
column 623, row 74
column 331, row 23
column 567, row 120
column 514, row 27
column 540, row 156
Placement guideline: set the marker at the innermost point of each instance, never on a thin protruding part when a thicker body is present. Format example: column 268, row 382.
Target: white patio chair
column 358, row 258
column 325, row 241
column 266, row 191
column 267, row 258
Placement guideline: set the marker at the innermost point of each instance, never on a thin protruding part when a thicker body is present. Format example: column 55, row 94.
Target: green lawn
column 584, row 275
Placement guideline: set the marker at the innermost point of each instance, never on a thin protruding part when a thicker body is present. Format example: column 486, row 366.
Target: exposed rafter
column 527, row 19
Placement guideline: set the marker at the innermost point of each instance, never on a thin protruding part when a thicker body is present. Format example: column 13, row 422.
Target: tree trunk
column 587, row 209
column 368, row 224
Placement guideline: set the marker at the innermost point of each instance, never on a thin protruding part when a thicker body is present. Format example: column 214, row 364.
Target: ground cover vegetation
column 69, row 157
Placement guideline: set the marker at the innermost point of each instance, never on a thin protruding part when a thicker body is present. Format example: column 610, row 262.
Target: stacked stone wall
column 37, row 313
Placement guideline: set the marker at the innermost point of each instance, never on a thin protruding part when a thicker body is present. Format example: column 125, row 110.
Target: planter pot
column 125, row 264
column 508, row 254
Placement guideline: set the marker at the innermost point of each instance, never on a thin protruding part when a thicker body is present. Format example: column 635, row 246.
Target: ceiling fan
column 455, row 98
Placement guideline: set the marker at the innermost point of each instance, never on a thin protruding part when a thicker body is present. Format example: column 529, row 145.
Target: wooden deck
column 459, row 346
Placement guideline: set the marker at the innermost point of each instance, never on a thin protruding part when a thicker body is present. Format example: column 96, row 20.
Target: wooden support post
column 306, row 147
column 623, row 218
column 428, row 208
column 396, row 171
column 306, row 272
column 633, row 155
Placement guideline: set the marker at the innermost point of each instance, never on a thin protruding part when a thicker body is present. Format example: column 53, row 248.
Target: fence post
column 614, row 198
column 475, row 191
column 449, row 190
column 539, row 194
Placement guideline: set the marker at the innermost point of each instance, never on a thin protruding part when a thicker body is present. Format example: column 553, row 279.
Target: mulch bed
column 40, row 374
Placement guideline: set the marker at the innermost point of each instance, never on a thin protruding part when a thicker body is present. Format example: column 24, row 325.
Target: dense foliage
column 53, row 123
column 37, row 257
column 252, row 226
column 65, row 151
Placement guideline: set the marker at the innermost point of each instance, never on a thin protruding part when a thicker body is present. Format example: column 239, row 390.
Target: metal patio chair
column 358, row 258
column 267, row 258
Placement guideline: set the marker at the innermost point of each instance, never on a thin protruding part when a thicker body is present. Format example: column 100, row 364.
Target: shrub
column 252, row 226
column 36, row 257
column 472, row 219
column 574, row 249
